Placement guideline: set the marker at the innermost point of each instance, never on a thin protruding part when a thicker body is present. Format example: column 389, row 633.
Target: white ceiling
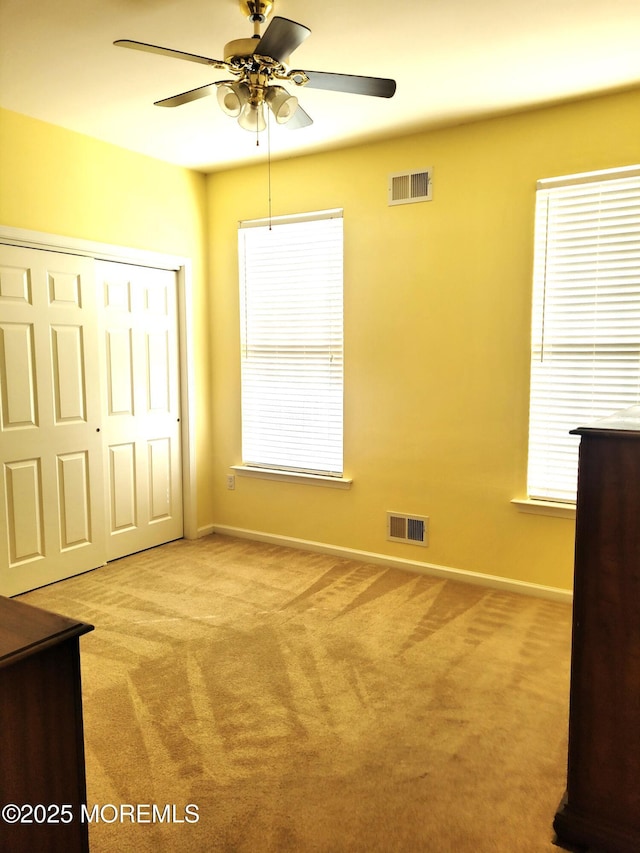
column 453, row 60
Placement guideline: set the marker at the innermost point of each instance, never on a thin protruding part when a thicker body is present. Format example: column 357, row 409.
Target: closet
column 90, row 427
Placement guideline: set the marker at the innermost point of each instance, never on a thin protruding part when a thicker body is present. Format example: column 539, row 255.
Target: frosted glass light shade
column 282, row 104
column 252, row 117
column 231, row 97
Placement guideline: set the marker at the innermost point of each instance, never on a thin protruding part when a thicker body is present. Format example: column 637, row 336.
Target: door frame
column 182, row 266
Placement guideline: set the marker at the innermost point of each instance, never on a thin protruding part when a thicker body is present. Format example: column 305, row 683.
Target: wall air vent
column 408, row 528
column 408, row 187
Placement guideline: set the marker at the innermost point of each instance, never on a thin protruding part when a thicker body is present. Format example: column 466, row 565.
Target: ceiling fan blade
column 185, row 97
column 379, row 87
column 299, row 119
column 281, row 38
column 167, row 51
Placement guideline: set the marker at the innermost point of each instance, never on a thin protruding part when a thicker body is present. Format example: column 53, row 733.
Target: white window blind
column 585, row 360
column 291, row 283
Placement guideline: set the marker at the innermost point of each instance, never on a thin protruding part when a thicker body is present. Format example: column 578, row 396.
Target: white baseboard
column 494, row 581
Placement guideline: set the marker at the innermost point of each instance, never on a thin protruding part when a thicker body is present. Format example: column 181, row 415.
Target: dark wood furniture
column 41, row 734
column 601, row 808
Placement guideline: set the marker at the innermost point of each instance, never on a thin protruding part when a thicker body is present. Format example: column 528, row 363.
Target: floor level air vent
column 408, row 528
column 407, row 187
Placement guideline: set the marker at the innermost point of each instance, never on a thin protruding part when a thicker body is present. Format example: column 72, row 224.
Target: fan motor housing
column 240, row 48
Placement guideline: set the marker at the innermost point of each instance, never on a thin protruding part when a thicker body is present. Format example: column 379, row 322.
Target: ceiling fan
column 256, row 64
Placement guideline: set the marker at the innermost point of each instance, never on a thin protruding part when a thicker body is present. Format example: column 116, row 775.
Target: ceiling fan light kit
column 259, row 64
column 245, row 101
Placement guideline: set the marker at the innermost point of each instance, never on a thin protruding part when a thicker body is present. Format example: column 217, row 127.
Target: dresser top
column 27, row 630
column 625, row 420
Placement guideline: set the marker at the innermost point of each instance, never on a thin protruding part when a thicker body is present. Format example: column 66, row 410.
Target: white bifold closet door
column 141, row 425
column 89, row 414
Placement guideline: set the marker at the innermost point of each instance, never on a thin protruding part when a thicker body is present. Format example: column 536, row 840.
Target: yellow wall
column 437, row 318
column 64, row 183
column 437, row 312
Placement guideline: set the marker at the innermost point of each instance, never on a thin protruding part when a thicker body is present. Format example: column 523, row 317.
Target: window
column 292, row 343
column 585, row 360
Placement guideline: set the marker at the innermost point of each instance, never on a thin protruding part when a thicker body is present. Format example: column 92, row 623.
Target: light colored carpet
column 305, row 703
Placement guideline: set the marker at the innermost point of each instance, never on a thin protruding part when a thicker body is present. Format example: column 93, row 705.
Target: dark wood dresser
column 42, row 764
column 601, row 808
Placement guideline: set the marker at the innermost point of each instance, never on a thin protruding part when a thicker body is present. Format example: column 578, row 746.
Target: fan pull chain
column 269, row 162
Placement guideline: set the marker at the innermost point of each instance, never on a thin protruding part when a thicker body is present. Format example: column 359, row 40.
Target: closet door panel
column 138, row 321
column 51, row 472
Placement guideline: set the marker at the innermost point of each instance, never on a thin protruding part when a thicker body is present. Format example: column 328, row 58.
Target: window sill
column 553, row 508
column 293, row 477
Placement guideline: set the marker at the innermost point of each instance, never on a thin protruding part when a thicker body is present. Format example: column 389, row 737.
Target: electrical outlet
column 231, row 482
